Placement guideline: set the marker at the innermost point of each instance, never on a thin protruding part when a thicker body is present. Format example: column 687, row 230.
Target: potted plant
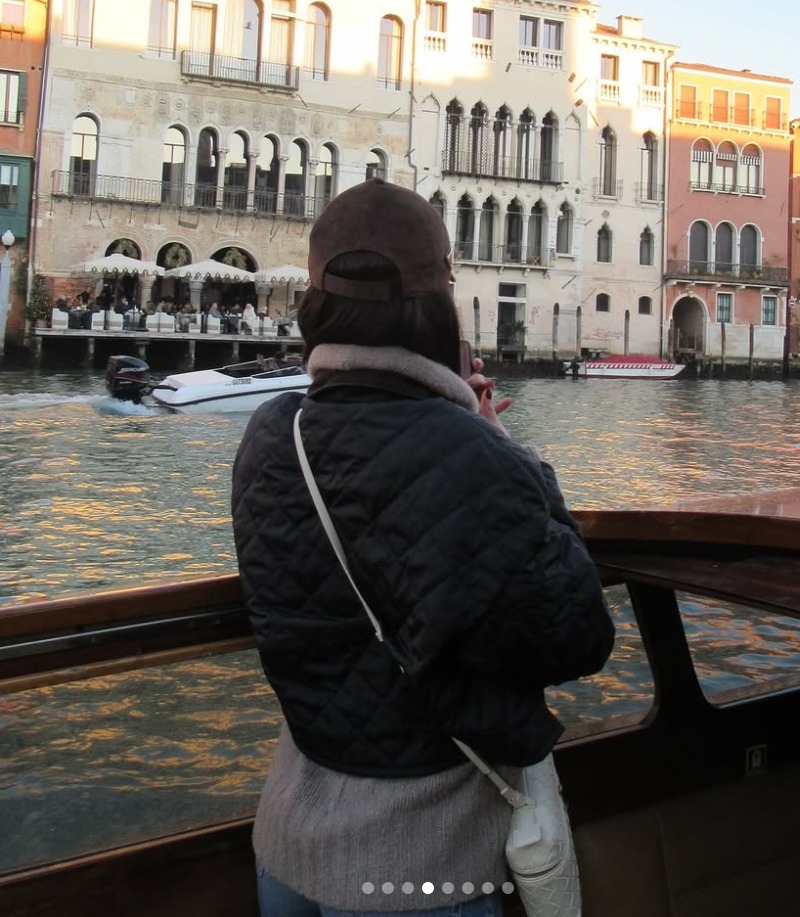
column 37, row 308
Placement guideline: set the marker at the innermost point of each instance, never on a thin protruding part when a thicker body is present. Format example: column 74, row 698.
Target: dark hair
column 427, row 325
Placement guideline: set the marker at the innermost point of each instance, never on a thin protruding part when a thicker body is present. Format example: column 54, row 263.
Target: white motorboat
column 239, row 387
column 627, row 366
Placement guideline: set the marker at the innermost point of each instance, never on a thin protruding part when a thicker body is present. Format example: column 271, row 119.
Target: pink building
column 727, row 258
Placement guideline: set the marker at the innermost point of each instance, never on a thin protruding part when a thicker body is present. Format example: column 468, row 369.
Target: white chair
column 99, row 321
column 160, row 322
column 59, row 320
column 213, row 325
column 114, row 321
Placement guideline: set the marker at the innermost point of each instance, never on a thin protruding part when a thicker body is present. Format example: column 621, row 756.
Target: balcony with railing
column 544, row 171
column 726, row 188
column 651, row 96
column 435, row 42
column 226, row 199
column 608, row 90
column 220, row 68
column 688, row 110
column 608, row 189
column 649, row 193
column 540, row 58
column 505, row 253
column 722, row 272
column 14, row 116
column 483, row 48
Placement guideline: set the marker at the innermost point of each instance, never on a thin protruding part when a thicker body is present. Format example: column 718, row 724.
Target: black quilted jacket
column 460, row 541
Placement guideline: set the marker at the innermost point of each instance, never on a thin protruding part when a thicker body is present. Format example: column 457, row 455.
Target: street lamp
column 5, row 285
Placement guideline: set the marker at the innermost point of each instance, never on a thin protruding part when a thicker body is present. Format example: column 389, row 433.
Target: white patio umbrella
column 209, row 269
column 285, row 273
column 118, row 264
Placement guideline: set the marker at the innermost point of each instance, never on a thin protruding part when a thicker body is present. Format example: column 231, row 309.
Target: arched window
column 478, row 139
column 608, row 163
column 749, row 249
column 487, row 231
column 699, row 247
column 646, row 246
column 390, row 53
column 548, row 149
column 281, row 32
column 502, row 141
column 645, row 305
column 649, row 168
column 252, row 27
column 604, row 244
column 526, row 145
column 376, row 164
column 205, row 194
column 602, row 302
column 465, row 229
column 83, row 156
column 537, row 234
column 437, row 202
column 234, row 186
column 702, row 164
column 318, row 39
column 325, row 178
column 724, row 248
column 513, row 236
column 726, row 161
column 564, row 230
column 173, row 164
column 295, row 181
column 265, row 198
column 453, row 140
column 750, row 170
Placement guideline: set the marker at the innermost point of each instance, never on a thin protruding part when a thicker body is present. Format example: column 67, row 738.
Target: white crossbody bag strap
column 327, row 522
column 513, row 797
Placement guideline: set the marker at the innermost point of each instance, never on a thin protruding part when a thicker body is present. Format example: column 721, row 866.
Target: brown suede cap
column 387, row 220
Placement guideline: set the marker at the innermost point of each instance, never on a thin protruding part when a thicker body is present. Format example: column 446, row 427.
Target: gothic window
column 234, row 188
column 526, row 145
column 646, row 247
column 702, row 164
column 537, row 234
column 478, row 139
column 265, row 196
column 724, row 247
column 548, row 142
column 453, row 139
column 604, row 244
column 487, row 231
column 465, row 229
column 205, row 194
column 608, row 163
column 699, row 240
column 502, row 141
column 564, row 229
column 376, row 164
column 513, row 235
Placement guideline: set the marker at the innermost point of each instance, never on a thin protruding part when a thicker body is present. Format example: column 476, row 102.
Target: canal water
column 96, row 495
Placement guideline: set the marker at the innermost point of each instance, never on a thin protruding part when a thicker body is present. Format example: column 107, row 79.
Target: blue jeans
column 276, row 900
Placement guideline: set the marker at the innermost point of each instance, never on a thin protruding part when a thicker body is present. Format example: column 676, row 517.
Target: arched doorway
column 688, row 328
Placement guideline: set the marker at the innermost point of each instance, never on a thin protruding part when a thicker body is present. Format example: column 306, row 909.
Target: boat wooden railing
column 684, row 742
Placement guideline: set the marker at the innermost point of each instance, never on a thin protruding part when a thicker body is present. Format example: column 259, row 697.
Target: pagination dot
column 448, row 888
column 427, row 888
column 507, row 888
column 368, row 888
column 408, row 888
column 487, row 888
column 468, row 888
column 387, row 888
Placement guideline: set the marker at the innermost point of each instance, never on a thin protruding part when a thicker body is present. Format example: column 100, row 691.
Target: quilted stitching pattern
column 461, row 544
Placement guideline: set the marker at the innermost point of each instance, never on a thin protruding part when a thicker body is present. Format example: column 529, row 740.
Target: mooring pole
column 476, row 309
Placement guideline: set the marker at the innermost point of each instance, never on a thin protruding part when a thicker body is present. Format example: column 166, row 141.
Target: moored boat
column 683, row 798
column 238, row 387
column 623, row 366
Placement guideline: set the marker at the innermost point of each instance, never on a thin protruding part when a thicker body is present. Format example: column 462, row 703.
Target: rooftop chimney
column 629, row 26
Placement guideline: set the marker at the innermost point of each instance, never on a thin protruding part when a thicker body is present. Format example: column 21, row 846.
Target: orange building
column 23, row 26
column 794, row 243
column 727, row 259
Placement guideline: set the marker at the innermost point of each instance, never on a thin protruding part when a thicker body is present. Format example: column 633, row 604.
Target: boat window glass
column 622, row 694
column 739, row 651
column 120, row 759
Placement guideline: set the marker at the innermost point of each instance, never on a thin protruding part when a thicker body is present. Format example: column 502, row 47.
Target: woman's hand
column 484, row 389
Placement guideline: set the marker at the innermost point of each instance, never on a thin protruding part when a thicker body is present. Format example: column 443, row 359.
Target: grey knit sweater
column 332, row 837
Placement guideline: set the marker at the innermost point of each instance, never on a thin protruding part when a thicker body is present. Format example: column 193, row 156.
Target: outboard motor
column 127, row 378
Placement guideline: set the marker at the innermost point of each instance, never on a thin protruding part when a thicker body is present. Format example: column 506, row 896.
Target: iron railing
column 504, row 253
column 544, row 171
column 239, row 70
column 724, row 188
column 718, row 270
column 10, row 117
column 649, row 193
column 604, row 188
column 187, row 195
